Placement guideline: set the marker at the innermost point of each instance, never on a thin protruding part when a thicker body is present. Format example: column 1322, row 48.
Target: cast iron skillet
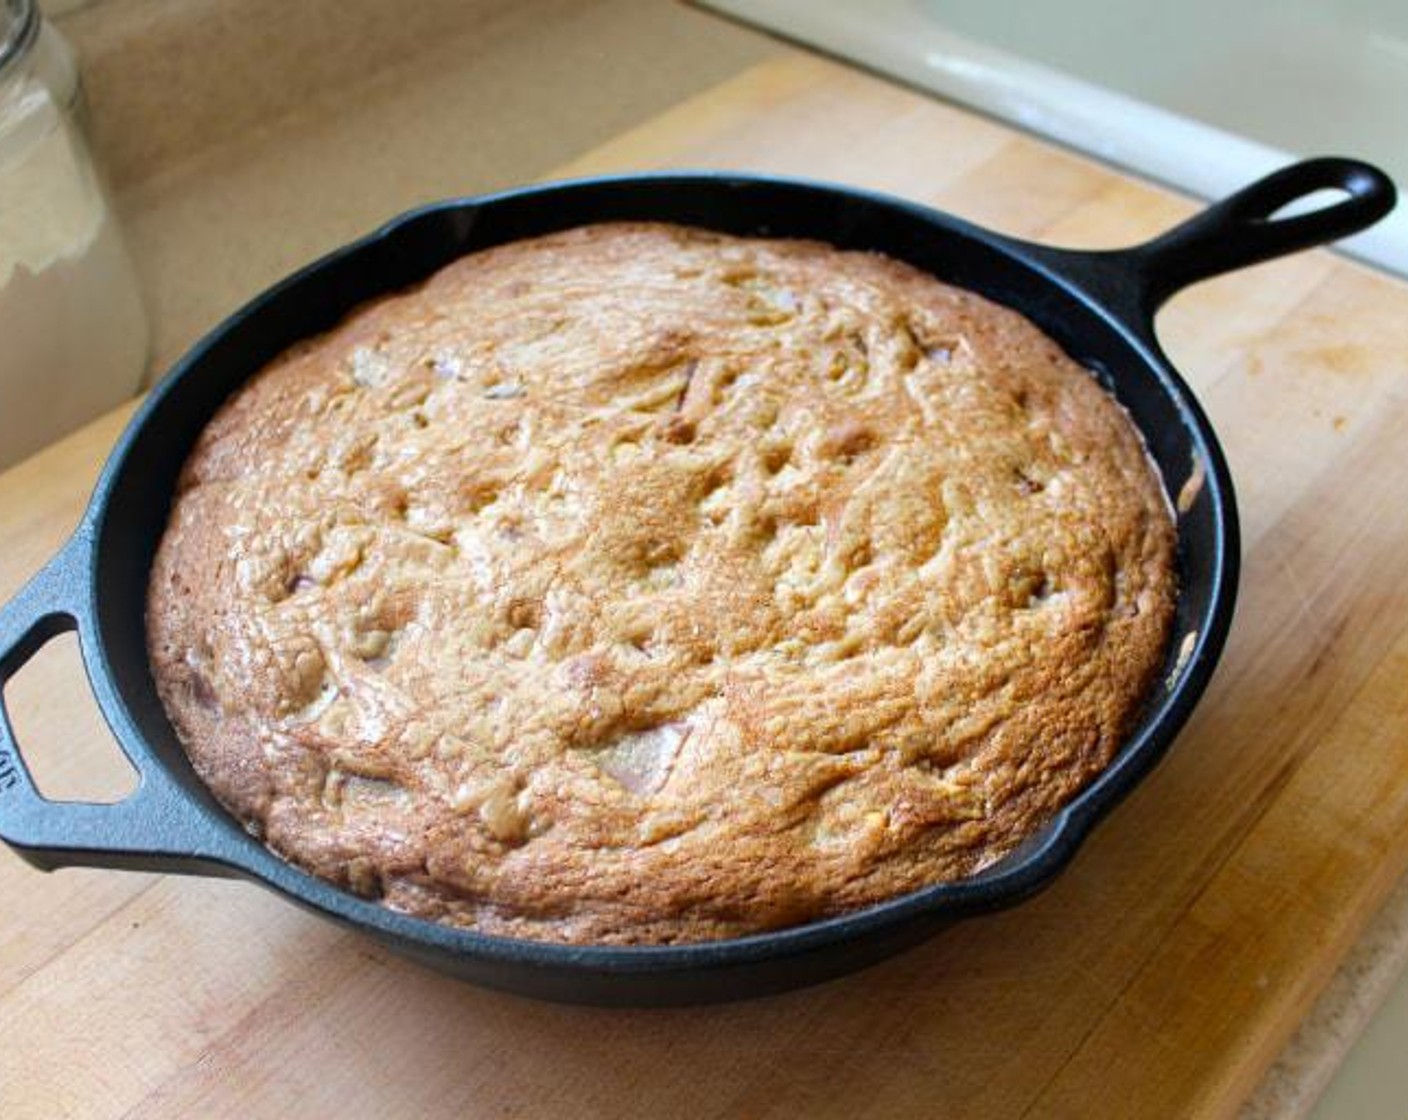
column 1098, row 305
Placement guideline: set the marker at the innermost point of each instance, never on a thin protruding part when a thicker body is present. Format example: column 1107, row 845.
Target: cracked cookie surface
column 642, row 584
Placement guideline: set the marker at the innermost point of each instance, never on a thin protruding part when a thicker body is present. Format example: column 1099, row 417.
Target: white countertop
column 1167, row 92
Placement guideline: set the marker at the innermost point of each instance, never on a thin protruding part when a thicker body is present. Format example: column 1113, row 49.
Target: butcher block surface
column 1158, row 977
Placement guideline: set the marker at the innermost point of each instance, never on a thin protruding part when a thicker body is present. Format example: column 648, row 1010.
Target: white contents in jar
column 73, row 337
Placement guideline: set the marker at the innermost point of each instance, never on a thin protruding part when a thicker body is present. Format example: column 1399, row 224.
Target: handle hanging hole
column 1322, row 199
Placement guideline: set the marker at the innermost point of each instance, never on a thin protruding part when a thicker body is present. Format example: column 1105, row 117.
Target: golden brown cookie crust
column 642, row 584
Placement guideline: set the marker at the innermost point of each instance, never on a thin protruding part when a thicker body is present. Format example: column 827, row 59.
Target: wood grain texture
column 1158, row 977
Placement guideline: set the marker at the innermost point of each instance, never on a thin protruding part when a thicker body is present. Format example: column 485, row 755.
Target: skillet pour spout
column 1098, row 305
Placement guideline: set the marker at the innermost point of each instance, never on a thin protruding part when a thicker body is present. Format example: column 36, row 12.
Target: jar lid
column 19, row 27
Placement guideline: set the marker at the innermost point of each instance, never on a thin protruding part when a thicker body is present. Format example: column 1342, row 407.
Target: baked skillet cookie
column 638, row 584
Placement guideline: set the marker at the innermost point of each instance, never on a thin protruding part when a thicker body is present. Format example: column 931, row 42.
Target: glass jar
column 73, row 334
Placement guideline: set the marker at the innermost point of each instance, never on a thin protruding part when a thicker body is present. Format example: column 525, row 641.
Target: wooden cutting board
column 1158, row 978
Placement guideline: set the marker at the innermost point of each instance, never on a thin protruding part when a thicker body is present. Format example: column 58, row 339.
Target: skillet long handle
column 155, row 828
column 1243, row 229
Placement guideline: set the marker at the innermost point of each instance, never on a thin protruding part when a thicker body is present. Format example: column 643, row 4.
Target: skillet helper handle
column 150, row 829
column 1243, row 229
